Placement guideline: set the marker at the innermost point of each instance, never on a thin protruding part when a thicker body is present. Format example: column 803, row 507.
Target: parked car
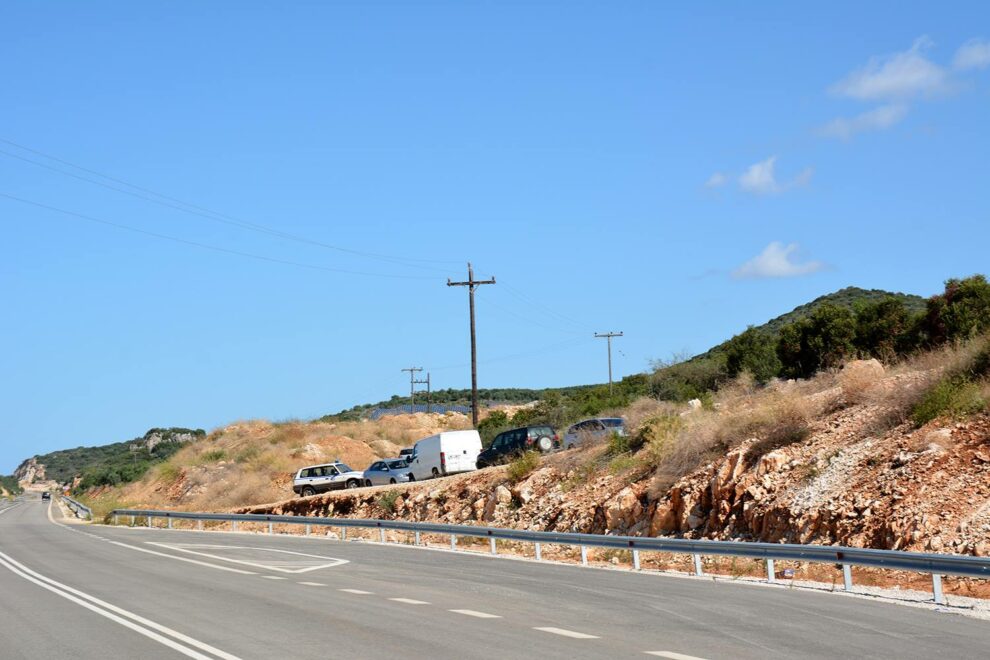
column 596, row 428
column 514, row 442
column 389, row 471
column 445, row 453
column 314, row 479
column 46, row 496
column 406, row 454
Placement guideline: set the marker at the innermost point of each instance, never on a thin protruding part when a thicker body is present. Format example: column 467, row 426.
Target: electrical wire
column 207, row 246
column 203, row 212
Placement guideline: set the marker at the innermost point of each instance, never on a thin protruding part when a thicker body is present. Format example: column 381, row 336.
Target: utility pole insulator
column 471, row 284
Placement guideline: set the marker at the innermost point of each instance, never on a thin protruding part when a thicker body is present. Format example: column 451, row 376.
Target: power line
column 203, row 212
column 207, row 246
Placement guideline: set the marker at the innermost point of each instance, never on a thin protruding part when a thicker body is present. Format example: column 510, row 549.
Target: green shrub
column 950, row 397
column 752, row 351
column 386, row 500
column 169, row 473
column 213, row 456
column 622, row 463
column 521, row 467
column 618, row 444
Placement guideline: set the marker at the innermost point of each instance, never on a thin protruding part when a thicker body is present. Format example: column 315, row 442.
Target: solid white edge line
column 356, row 591
column 567, row 633
column 7, row 563
column 121, row 611
column 409, row 601
column 312, row 584
column 474, row 613
column 672, row 655
column 274, row 577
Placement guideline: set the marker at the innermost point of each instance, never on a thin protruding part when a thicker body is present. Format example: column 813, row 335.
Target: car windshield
column 612, row 421
column 397, row 464
column 342, row 467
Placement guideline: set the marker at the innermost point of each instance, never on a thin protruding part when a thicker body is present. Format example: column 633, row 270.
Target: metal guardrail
column 78, row 508
column 935, row 564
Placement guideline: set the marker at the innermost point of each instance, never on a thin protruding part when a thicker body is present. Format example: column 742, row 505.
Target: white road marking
column 185, row 559
column 328, row 562
column 274, row 577
column 119, row 615
column 355, row 591
column 409, row 601
column 672, row 655
column 12, row 506
column 567, row 633
column 480, row 615
column 312, row 584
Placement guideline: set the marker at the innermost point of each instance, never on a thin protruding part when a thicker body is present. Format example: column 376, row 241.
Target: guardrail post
column 133, row 521
column 199, row 525
column 847, row 577
column 417, row 538
column 697, row 565
column 771, row 577
column 538, row 554
column 169, row 521
column 149, row 521
column 937, row 589
column 453, row 542
column 269, row 526
column 343, row 533
column 381, row 534
column 233, row 525
column 635, row 559
column 584, row 555
column 491, row 544
column 115, row 519
column 308, row 529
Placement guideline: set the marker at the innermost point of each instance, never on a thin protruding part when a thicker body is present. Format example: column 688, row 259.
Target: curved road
column 94, row 592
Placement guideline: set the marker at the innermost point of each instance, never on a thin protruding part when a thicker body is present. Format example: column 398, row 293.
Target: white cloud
column 716, row 180
column 776, row 260
column 761, row 179
column 974, row 54
column 897, row 76
column 878, row 119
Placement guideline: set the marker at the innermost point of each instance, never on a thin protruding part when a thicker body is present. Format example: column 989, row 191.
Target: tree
column 882, row 328
column 821, row 341
column 752, row 351
column 961, row 312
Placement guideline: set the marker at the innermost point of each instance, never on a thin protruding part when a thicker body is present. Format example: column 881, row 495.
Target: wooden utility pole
column 471, row 284
column 429, row 402
column 412, row 386
column 609, row 335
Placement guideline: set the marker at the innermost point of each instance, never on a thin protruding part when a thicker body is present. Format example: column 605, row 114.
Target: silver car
column 388, row 471
column 594, row 429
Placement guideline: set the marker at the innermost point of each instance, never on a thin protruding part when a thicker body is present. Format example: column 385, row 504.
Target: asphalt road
column 87, row 591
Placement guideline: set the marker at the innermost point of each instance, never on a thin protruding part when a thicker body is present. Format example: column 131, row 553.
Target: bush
column 821, row 341
column 213, row 456
column 386, row 501
column 962, row 389
column 962, row 312
column 682, row 381
column 752, row 351
column 884, row 329
column 523, row 465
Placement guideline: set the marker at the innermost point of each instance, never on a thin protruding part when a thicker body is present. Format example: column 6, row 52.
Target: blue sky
column 673, row 173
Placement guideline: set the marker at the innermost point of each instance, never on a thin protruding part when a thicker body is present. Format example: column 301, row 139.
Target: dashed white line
column 273, row 577
column 409, row 601
column 480, row 615
column 355, row 591
column 672, row 655
column 312, row 584
column 567, row 633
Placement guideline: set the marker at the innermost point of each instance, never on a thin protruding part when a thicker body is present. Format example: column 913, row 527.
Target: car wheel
column 412, row 477
column 545, row 443
column 570, row 446
column 308, row 491
column 436, row 473
column 353, row 483
column 367, row 482
column 391, row 481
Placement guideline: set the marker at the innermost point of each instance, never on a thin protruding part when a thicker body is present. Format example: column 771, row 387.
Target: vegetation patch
column 523, row 466
column 386, row 501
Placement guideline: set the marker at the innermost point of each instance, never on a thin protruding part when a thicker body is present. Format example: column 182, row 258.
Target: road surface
column 95, row 592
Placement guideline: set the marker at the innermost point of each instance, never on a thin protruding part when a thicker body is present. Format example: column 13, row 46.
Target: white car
column 597, row 428
column 314, row 479
column 445, row 453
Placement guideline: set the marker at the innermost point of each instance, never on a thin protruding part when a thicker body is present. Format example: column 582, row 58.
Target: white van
column 445, row 453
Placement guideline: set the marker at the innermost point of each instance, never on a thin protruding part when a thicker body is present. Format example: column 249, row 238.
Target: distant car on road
column 314, row 479
column 512, row 443
column 46, row 496
column 389, row 471
column 596, row 428
column 406, row 454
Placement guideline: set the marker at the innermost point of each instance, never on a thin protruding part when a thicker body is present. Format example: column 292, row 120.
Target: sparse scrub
column 961, row 390
column 213, row 456
column 521, row 467
column 169, row 473
column 386, row 501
